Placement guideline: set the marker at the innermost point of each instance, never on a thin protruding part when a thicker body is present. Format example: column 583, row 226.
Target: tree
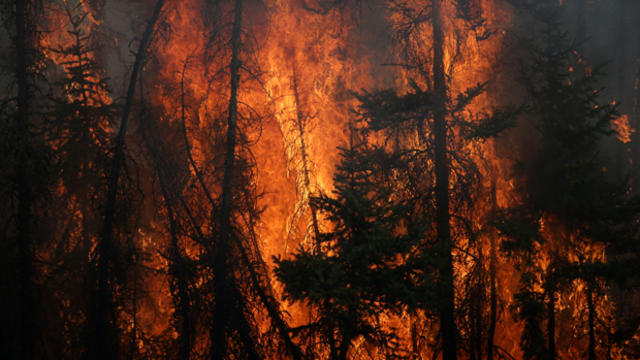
column 103, row 341
column 368, row 264
column 24, row 154
column 568, row 197
column 440, row 121
column 78, row 124
column 235, row 291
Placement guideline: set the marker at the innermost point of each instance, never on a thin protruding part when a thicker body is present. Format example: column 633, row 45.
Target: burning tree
column 573, row 214
column 367, row 266
column 161, row 159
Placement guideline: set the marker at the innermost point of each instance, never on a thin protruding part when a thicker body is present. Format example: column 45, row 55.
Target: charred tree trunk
column 551, row 316
column 592, row 322
column 493, row 298
column 187, row 145
column 133, row 345
column 635, row 137
column 272, row 308
column 222, row 281
column 26, row 292
column 445, row 286
column 179, row 286
column 103, row 342
column 477, row 301
column 178, row 266
column 300, row 117
column 178, row 283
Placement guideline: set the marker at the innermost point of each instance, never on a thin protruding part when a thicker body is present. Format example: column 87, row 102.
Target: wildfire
column 300, row 68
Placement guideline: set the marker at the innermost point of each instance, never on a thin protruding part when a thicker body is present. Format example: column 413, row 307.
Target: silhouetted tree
column 78, row 129
column 369, row 263
column 103, row 340
column 568, row 198
column 25, row 172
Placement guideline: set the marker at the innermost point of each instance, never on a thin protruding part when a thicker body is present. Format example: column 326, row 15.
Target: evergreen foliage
column 566, row 190
column 369, row 262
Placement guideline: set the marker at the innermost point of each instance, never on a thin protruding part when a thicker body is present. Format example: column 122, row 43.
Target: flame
column 306, row 63
column 622, row 129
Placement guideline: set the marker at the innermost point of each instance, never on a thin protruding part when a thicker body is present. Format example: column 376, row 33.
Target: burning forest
column 320, row 179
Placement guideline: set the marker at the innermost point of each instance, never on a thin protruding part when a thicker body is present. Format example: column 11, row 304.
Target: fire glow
column 241, row 115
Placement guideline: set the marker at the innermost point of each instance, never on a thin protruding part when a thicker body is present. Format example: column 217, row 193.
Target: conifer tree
column 570, row 203
column 24, row 181
column 369, row 261
column 78, row 129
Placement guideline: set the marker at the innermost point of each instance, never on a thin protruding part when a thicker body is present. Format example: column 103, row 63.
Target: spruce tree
column 368, row 263
column 570, row 205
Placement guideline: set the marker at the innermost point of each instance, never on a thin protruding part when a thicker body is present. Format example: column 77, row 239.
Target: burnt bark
column 271, row 306
column 551, row 316
column 26, row 286
column 103, row 342
column 448, row 330
column 179, row 284
column 222, row 282
column 300, row 120
column 635, row 136
column 493, row 297
column 183, row 119
column 591, row 322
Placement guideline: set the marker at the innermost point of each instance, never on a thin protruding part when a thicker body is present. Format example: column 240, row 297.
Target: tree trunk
column 475, row 336
column 23, row 226
column 592, row 320
column 300, row 118
column 104, row 341
column 493, row 298
column 178, row 284
column 551, row 317
column 445, row 286
column 221, row 283
column 635, row 121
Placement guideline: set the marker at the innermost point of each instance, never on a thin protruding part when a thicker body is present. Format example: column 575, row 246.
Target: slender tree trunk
column 104, row 344
column 475, row 341
column 192, row 162
column 551, row 317
column 178, row 284
column 493, row 298
column 300, row 118
column 592, row 321
column 635, row 137
column 445, row 286
column 179, row 287
column 272, row 308
column 23, row 226
column 133, row 345
column 222, row 282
